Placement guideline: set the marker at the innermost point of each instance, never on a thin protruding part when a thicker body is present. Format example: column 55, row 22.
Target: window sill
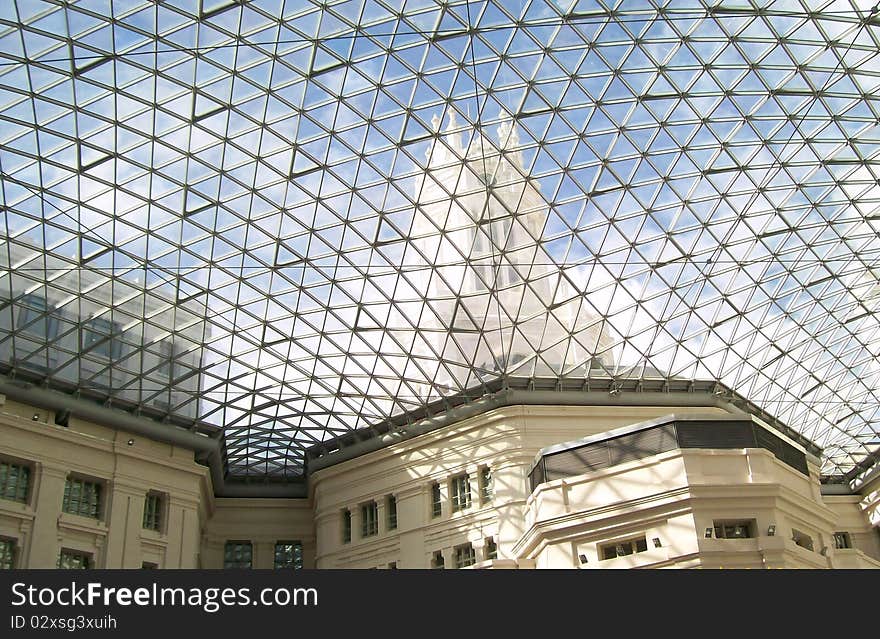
column 82, row 524
column 153, row 535
column 16, row 509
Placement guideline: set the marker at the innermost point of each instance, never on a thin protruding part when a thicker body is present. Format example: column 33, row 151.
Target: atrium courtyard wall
column 106, row 529
column 261, row 522
column 677, row 505
column 670, row 500
column 487, row 514
column 503, row 440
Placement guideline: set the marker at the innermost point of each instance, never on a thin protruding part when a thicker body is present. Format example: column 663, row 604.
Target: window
column 391, row 506
column 7, row 554
column 437, row 561
column 172, row 361
column 842, row 540
column 62, row 418
column 461, row 492
column 82, row 497
column 802, row 539
column 369, row 519
column 465, row 556
column 734, row 529
column 487, row 488
column 14, row 481
column 392, row 565
column 34, row 318
column 436, row 500
column 153, row 512
column 74, row 560
column 623, row 548
column 491, row 548
column 238, row 554
column 166, row 360
column 149, row 565
column 289, row 554
column 100, row 337
column 346, row 526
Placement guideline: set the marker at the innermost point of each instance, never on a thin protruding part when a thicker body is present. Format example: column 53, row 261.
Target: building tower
column 499, row 303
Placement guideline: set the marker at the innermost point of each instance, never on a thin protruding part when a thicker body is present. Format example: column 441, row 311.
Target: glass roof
column 288, row 220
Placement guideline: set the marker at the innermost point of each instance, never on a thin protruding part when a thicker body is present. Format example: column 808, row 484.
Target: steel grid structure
column 286, row 220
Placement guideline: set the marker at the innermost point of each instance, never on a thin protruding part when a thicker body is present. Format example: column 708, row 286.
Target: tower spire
column 508, row 136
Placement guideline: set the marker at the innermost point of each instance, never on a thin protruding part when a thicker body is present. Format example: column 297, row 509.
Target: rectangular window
column 100, row 337
column 461, row 492
column 369, row 519
column 842, row 540
column 487, row 487
column 153, row 512
column 491, row 548
column 734, row 529
column 74, row 560
column 346, row 526
column 172, row 361
column 392, row 565
column 14, row 481
column 391, row 506
column 149, row 565
column 35, row 318
column 437, row 561
column 7, row 554
column 465, row 556
column 238, row 554
column 289, row 554
column 802, row 539
column 166, row 360
column 623, row 548
column 436, row 500
column 82, row 497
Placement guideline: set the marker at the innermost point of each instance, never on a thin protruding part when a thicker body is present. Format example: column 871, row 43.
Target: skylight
column 293, row 219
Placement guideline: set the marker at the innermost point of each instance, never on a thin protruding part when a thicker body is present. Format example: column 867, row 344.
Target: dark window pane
column 436, row 500
column 465, row 556
column 100, row 337
column 7, row 554
column 288, row 554
column 391, row 505
column 346, row 526
column 153, row 512
column 369, row 519
column 461, row 492
column 238, row 554
column 72, row 560
column 14, row 482
column 487, row 488
column 82, row 497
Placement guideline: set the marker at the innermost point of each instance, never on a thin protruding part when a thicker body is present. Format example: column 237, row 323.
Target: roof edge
column 530, row 392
